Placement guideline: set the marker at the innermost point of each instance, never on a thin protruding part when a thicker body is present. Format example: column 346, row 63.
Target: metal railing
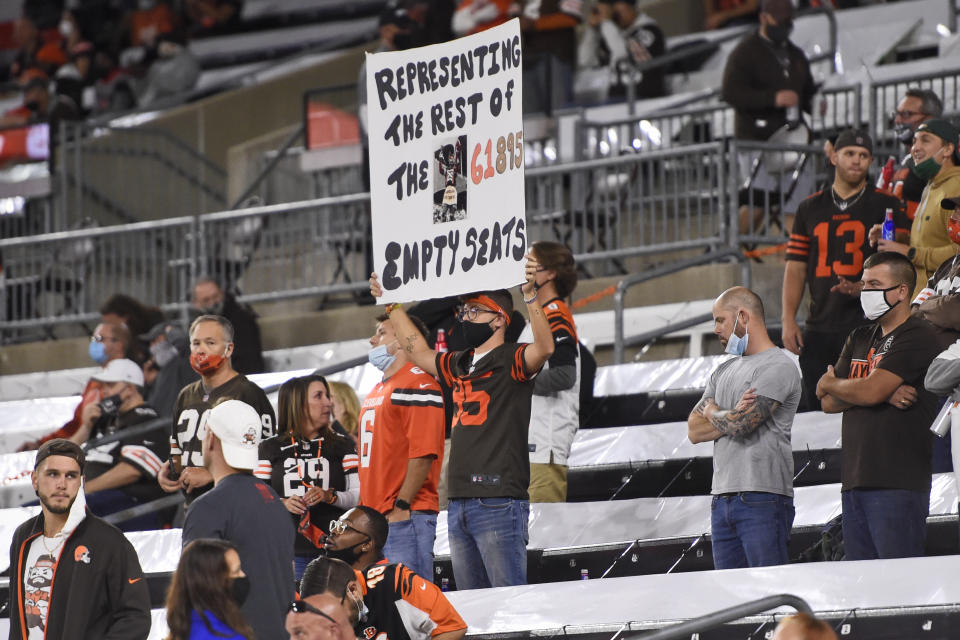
column 620, row 341
column 689, row 628
column 635, row 205
column 772, row 181
column 834, row 109
column 884, row 95
column 118, row 175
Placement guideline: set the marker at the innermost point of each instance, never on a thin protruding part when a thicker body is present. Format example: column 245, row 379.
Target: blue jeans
column 884, row 523
column 411, row 542
column 750, row 529
column 488, row 541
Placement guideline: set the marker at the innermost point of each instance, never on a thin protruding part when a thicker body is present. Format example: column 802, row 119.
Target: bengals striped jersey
column 291, row 466
column 401, row 418
column 555, row 413
column 834, row 242
column 491, row 418
column 403, row 606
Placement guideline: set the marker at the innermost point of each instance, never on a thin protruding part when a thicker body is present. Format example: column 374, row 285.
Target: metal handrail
column 268, row 169
column 639, row 278
column 717, row 618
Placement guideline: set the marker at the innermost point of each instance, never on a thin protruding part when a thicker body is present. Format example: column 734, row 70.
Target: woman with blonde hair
column 346, row 407
column 206, row 593
column 309, row 465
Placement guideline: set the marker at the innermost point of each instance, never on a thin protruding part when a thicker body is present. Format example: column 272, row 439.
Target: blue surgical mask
column 381, row 358
column 97, row 352
column 735, row 344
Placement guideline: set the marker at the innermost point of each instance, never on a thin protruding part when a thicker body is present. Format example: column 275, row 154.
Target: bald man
column 747, row 411
column 319, row 617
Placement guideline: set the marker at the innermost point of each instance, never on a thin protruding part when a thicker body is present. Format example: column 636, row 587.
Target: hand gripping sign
column 446, row 166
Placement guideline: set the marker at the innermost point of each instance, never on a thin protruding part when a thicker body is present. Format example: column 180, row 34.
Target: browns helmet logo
column 250, row 437
column 81, row 554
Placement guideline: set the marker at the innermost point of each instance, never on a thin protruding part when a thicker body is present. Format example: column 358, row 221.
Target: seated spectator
column 114, row 89
column 138, row 318
column 38, row 105
column 210, row 298
column 170, row 353
column 74, row 80
column 312, row 468
column 391, row 591
column 174, row 71
column 109, row 342
column 206, row 593
column 346, row 409
column 620, row 37
column 38, row 47
column 473, row 16
column 803, row 626
column 123, row 473
column 144, row 26
column 210, row 17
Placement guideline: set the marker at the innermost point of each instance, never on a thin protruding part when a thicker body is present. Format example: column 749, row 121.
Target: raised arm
column 542, row 348
column 416, row 347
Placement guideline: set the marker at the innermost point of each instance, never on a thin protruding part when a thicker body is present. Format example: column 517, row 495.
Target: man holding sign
column 489, row 472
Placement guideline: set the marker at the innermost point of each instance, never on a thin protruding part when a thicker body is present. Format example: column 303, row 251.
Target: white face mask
column 874, row 302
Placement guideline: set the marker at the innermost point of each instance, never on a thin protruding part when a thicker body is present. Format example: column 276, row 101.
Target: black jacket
column 752, row 78
column 99, row 594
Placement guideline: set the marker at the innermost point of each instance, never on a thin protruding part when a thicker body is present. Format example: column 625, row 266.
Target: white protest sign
column 446, row 166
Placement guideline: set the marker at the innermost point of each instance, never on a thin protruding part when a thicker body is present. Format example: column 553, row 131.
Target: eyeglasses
column 340, row 527
column 99, row 338
column 906, row 115
column 301, row 606
column 471, row 312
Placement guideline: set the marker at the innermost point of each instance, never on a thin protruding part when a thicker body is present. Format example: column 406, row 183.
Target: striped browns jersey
column 403, row 606
column 402, row 418
column 291, row 466
column 145, row 453
column 491, row 419
column 833, row 241
column 193, row 406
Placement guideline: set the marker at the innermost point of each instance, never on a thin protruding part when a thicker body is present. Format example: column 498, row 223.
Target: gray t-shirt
column 250, row 514
column 763, row 459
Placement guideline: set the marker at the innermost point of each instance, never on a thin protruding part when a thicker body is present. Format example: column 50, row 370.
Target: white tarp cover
column 826, row 586
column 661, row 375
column 572, row 524
column 668, row 441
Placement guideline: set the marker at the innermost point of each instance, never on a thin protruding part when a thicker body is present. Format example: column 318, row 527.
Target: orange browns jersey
column 401, row 418
column 404, row 606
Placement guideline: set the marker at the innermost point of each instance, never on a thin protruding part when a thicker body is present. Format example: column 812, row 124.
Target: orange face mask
column 204, row 364
column 953, row 230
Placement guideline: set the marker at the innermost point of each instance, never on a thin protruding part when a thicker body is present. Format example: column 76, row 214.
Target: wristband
column 531, row 300
column 401, row 504
column 393, row 305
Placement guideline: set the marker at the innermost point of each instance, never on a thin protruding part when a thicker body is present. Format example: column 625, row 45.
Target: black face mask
column 348, row 554
column 904, row 133
column 240, row 589
column 780, row 33
column 32, row 105
column 476, row 333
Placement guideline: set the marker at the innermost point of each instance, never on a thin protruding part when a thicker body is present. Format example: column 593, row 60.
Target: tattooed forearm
column 739, row 423
column 702, row 405
column 411, row 344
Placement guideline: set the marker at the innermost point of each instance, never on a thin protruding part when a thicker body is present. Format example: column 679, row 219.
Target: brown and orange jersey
column 491, row 416
column 834, row 242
